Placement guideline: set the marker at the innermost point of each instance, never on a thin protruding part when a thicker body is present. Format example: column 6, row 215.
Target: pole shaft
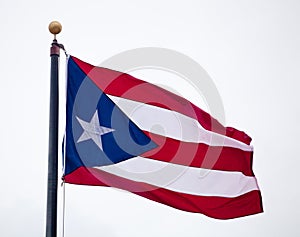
column 51, row 221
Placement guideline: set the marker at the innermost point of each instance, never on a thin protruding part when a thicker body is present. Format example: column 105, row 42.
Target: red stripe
column 200, row 155
column 216, row 207
column 126, row 86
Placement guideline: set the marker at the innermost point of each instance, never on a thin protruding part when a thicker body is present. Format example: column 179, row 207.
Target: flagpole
column 51, row 221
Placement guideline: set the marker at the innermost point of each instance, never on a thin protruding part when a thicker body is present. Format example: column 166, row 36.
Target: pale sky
column 251, row 51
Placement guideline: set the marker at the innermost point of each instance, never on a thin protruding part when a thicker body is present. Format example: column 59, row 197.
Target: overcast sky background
column 250, row 49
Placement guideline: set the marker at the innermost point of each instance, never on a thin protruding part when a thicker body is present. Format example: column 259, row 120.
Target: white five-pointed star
column 93, row 130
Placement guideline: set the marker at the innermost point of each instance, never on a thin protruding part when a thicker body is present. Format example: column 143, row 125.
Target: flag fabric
column 129, row 134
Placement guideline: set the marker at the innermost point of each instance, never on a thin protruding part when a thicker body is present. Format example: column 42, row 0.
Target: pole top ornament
column 55, row 28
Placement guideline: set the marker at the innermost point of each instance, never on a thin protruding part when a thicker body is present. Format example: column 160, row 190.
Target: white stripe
column 183, row 179
column 173, row 124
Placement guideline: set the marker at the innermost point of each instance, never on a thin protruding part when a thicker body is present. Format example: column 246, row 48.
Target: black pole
column 51, row 222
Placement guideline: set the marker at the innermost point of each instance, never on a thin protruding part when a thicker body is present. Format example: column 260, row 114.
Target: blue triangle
column 83, row 99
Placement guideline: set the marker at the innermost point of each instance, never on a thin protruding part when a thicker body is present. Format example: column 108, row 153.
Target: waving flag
column 126, row 133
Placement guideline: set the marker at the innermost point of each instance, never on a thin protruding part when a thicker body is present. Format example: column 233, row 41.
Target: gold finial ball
column 55, row 27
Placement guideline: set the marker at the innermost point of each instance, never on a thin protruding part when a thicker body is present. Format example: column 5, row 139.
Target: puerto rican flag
column 129, row 134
